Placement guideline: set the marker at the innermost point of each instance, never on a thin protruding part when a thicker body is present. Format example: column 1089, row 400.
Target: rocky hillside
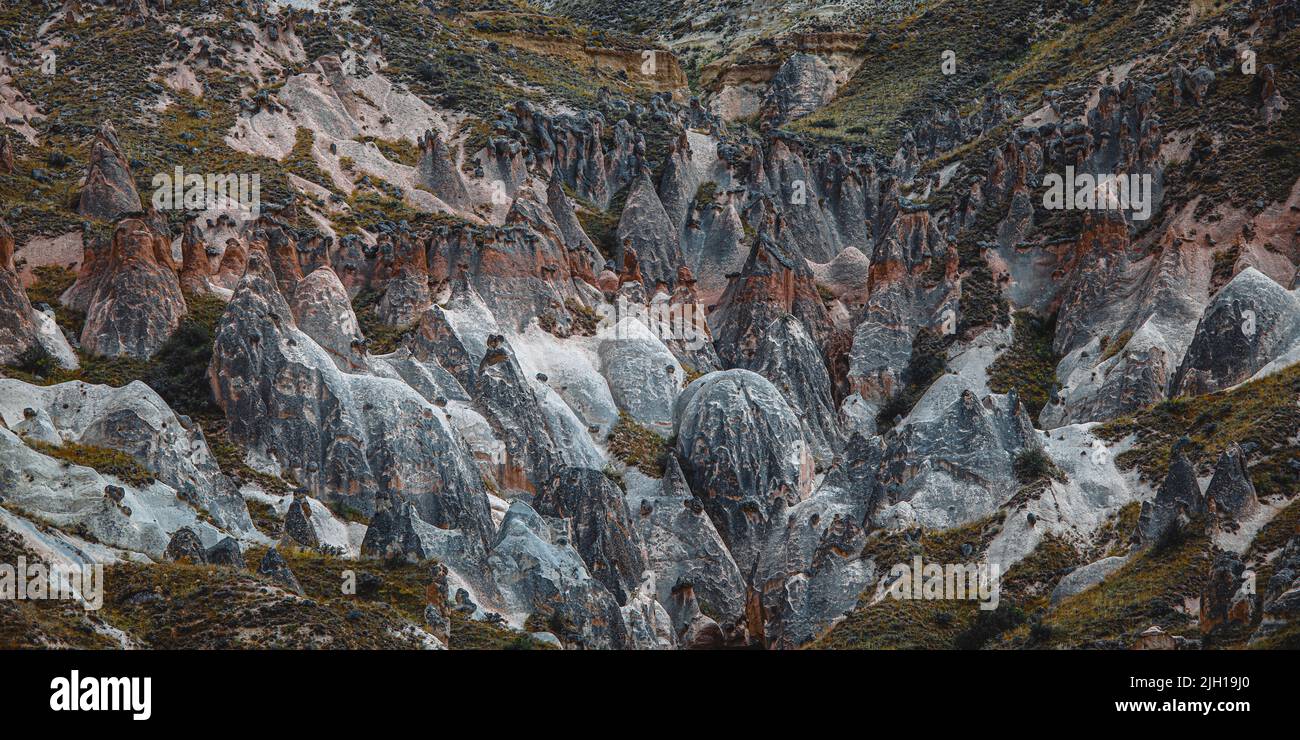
column 508, row 324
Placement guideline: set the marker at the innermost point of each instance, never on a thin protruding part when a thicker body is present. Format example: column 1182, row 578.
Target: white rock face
column 951, row 460
column 570, row 366
column 643, row 375
column 78, row 499
column 683, row 546
column 1095, row 491
column 1086, row 576
column 134, row 420
column 51, row 338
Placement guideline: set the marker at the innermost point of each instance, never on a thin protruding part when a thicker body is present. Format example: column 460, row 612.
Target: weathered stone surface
column 17, row 330
column 344, row 436
column 646, row 228
column 1178, row 501
column 787, row 356
column 298, row 528
column 644, row 377
column 1154, row 638
column 602, row 529
column 510, row 404
column 773, row 283
column 811, row 569
column 1251, row 322
column 1231, row 492
column 683, row 547
column 952, row 460
column 186, row 547
column 438, row 172
column 402, row 269
column 1085, row 577
column 1226, row 598
column 803, row 84
column 138, row 302
column 745, row 456
column 322, row 310
column 648, row 625
column 584, row 258
column 541, row 573
column 226, row 552
column 274, row 567
column 196, row 266
column 135, row 420
column 109, row 190
column 1281, row 598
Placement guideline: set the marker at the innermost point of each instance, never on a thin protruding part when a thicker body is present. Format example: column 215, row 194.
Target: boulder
column 274, row 568
column 1177, row 503
column 1231, row 492
column 226, row 552
column 186, row 547
column 1085, row 577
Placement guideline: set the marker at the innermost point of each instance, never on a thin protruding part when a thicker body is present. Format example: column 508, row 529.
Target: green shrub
column 1029, row 364
column 1032, row 465
column 638, row 446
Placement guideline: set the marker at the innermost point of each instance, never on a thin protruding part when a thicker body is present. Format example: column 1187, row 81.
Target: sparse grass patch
column 926, row 364
column 1151, row 588
column 383, row 338
column 1033, row 464
column 103, row 460
column 638, row 446
column 1029, row 364
column 1263, row 411
column 1109, row 349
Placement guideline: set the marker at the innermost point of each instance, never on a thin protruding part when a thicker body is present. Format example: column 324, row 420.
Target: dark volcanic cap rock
column 1231, row 491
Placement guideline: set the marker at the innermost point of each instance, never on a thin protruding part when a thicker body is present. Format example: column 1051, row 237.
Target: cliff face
column 674, row 332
